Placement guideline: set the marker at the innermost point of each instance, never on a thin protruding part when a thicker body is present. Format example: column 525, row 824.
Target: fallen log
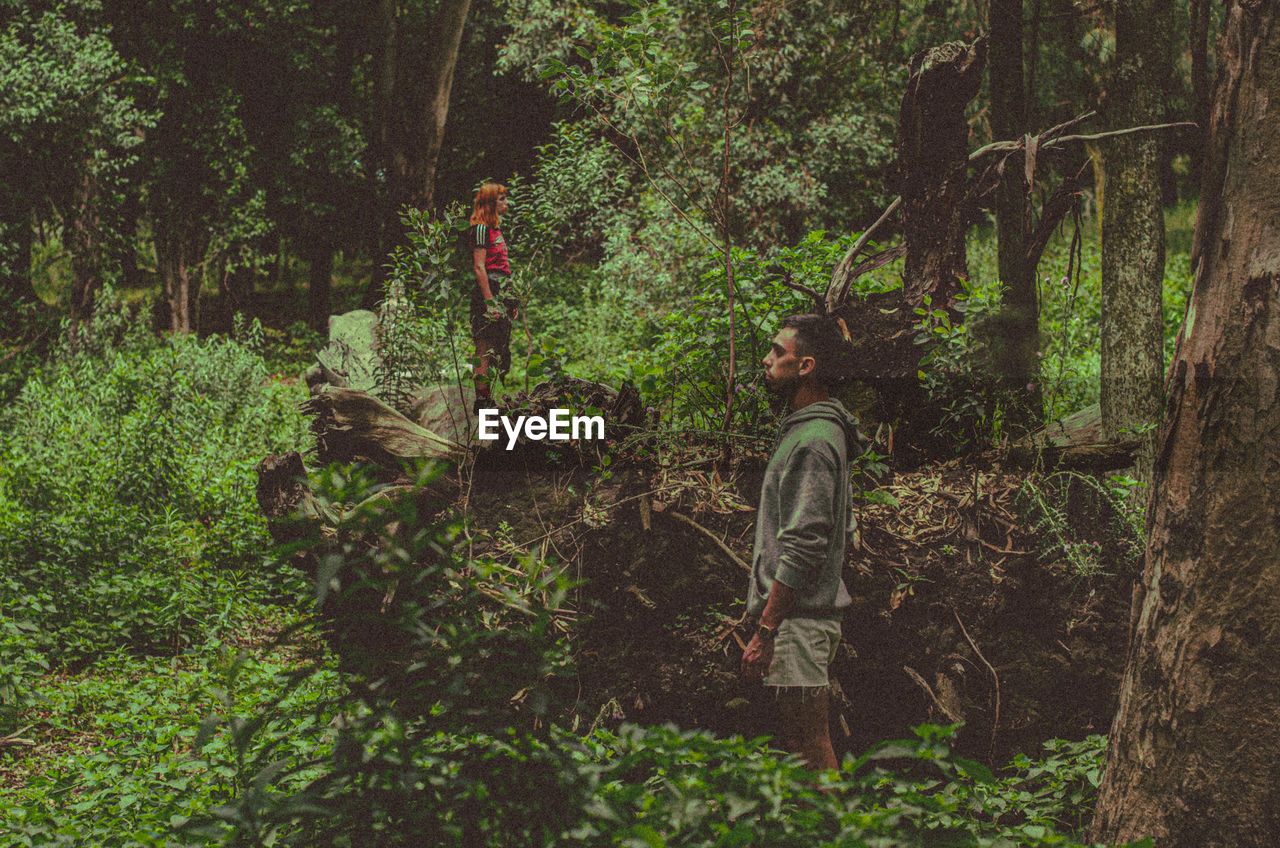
column 352, row 425
column 1074, row 443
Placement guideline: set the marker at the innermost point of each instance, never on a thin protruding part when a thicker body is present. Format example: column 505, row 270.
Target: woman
column 491, row 314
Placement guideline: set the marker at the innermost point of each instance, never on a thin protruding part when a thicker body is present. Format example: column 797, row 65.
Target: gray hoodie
column 806, row 516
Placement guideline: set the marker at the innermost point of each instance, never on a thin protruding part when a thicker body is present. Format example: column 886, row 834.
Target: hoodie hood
column 834, row 411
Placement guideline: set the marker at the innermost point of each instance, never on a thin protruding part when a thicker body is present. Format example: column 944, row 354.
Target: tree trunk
column 1194, row 745
column 321, row 279
column 1016, row 363
column 933, row 165
column 936, row 207
column 434, row 111
column 1133, row 230
column 177, row 248
column 411, row 106
column 1200, row 76
column 82, row 228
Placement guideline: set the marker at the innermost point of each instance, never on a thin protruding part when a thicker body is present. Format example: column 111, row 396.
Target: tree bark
column 82, row 229
column 1133, row 229
column 1016, row 361
column 177, row 247
column 1200, row 76
column 933, row 164
column 1194, row 745
column 936, row 208
column 321, row 279
column 412, row 85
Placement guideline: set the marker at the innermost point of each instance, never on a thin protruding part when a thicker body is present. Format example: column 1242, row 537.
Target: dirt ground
column 983, row 596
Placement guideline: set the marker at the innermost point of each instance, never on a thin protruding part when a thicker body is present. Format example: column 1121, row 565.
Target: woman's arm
column 482, row 276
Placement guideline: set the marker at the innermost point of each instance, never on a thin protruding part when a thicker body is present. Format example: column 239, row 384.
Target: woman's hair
column 486, row 210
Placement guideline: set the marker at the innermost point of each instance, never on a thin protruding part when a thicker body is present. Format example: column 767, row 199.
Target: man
column 796, row 594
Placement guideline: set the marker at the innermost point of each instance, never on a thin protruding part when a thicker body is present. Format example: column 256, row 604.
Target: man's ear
column 807, row 365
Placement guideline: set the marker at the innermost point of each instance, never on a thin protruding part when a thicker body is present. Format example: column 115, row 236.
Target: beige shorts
column 802, row 652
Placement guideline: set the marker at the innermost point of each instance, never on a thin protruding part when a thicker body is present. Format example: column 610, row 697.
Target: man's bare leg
column 805, row 728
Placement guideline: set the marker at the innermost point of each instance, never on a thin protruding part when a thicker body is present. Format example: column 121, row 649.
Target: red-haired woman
column 491, row 314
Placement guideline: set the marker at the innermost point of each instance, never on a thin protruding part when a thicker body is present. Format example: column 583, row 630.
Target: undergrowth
column 446, row 731
column 1093, row 525
column 127, row 514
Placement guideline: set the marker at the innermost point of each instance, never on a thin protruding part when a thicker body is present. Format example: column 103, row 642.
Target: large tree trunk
column 1133, row 229
column 936, row 207
column 412, row 84
column 1020, row 309
column 933, row 169
column 1194, row 746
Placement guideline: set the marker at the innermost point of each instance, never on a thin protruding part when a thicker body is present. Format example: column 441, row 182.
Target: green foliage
column 956, row 368
column 421, row 340
column 1094, row 526
column 447, row 731
column 21, row 347
column 70, row 128
column 434, row 647
column 404, row 785
column 571, row 201
column 1070, row 317
column 134, row 773
column 288, row 352
column 1055, row 793
column 810, row 110
column 687, row 367
column 127, row 470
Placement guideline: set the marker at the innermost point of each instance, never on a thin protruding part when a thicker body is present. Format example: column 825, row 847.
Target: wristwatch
column 765, row 632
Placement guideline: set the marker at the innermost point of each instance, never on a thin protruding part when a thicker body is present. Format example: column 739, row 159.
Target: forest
column 261, row 583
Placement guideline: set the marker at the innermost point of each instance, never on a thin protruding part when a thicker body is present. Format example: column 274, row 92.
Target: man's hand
column 757, row 658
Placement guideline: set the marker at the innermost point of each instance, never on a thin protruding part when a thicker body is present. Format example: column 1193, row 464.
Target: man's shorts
column 802, row 652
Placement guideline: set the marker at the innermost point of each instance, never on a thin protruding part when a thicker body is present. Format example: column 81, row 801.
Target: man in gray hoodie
column 805, row 517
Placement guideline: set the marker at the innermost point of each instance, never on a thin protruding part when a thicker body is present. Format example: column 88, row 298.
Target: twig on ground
column 928, row 690
column 995, row 724
column 712, row 536
column 16, row 738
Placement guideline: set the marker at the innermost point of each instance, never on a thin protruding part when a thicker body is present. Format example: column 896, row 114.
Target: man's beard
column 782, row 390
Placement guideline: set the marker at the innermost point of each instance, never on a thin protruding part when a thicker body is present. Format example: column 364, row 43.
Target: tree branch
column 842, row 278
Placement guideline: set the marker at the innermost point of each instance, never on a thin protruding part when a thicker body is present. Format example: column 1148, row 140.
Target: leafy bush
column 447, row 733
column 687, row 368
column 133, row 774
column 956, row 369
column 127, row 471
column 1094, row 526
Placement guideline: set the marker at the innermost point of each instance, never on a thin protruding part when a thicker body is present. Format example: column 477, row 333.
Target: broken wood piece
column 952, row 716
column 721, row 545
column 1074, row 443
column 352, row 424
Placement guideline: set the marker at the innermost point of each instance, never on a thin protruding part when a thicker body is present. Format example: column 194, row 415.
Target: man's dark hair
column 819, row 336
